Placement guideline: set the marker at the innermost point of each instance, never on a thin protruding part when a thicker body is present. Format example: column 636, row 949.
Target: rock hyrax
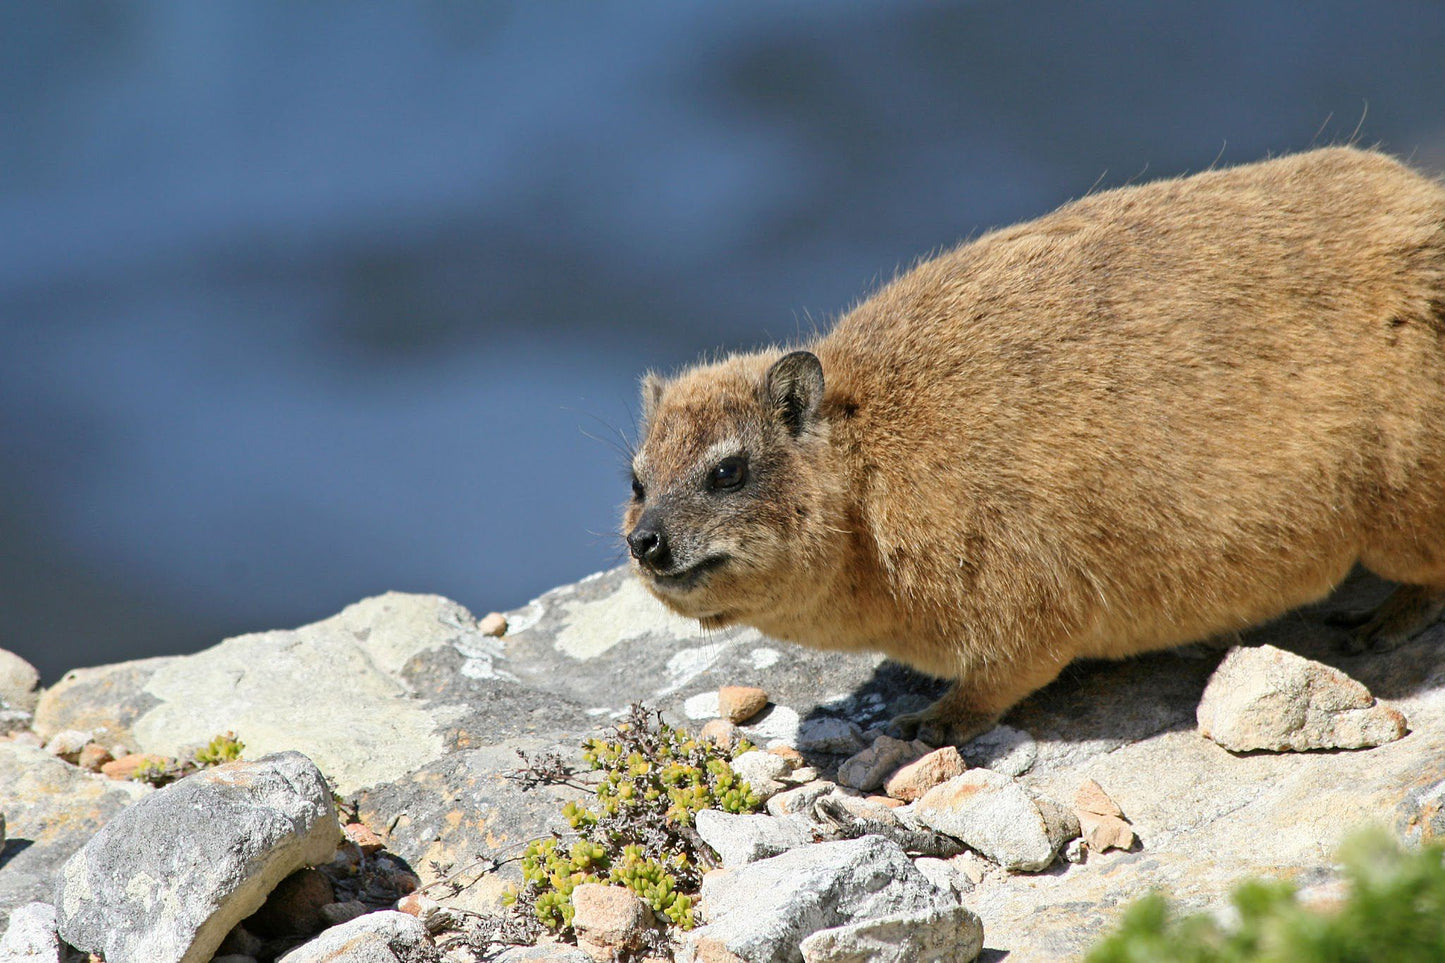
column 1157, row 414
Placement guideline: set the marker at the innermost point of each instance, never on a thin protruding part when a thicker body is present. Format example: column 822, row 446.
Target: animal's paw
column 1410, row 610
column 938, row 727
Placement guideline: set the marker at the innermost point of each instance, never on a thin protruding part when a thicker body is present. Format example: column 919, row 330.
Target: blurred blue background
column 302, row 302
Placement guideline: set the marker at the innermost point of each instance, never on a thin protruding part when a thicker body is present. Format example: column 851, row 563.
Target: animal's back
column 1159, row 412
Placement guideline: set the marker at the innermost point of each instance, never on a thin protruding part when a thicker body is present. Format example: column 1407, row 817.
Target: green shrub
column 637, row 830
column 1394, row 913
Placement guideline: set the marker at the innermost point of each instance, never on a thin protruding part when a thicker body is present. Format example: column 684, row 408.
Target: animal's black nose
column 648, row 544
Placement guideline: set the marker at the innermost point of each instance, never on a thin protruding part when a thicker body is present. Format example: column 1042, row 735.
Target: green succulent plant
column 636, row 831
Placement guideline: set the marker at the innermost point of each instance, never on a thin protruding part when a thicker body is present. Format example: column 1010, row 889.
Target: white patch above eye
column 718, row 450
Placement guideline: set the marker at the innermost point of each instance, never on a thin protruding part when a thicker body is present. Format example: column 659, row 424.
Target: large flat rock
column 417, row 714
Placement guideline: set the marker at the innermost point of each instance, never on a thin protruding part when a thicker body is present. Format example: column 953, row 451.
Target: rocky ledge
column 1120, row 778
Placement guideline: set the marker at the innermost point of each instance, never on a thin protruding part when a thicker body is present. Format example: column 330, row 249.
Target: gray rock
column 950, row 934
column 385, row 937
column 743, row 839
column 544, row 953
column 14, row 720
column 1262, row 697
column 799, row 800
column 67, row 743
column 762, row 912
column 944, row 873
column 30, row 937
column 870, row 768
column 827, row 734
column 1003, row 749
column 995, row 815
column 19, row 683
column 167, row 878
column 332, row 690
column 763, row 771
column 51, row 809
column 104, row 700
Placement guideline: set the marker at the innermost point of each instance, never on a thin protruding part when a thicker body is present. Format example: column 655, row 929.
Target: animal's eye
column 638, row 492
column 729, row 473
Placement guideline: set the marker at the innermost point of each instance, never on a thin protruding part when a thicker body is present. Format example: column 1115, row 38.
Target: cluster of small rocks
column 239, row 863
column 870, row 847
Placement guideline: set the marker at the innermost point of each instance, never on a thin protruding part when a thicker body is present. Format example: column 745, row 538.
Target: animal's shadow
column 1133, row 699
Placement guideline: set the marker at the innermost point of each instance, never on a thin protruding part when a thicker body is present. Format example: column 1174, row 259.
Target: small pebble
column 610, row 917
column 1105, row 832
column 793, row 757
column 869, row 769
column 763, row 771
column 241, row 942
column 827, row 734
column 911, row 781
column 67, row 743
column 1091, row 798
column 368, row 842
column 125, row 767
column 888, row 801
column 93, row 757
column 800, row 799
column 739, row 703
column 806, row 774
column 873, row 812
column 721, row 733
column 493, row 623
column 1074, row 850
column 334, row 914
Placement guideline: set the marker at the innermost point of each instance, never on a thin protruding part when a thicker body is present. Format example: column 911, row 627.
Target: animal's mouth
column 686, row 578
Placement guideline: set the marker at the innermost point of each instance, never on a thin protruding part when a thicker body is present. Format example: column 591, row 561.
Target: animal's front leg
column 974, row 705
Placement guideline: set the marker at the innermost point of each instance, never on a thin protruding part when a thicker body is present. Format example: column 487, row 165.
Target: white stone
column 827, row 734
column 168, row 877
column 762, row 911
column 19, row 683
column 869, row 769
column 1262, row 697
column 763, row 771
column 993, row 814
column 628, row 613
column 386, row 937
column 944, row 873
column 30, row 936
column 800, row 799
column 948, row 934
column 740, row 839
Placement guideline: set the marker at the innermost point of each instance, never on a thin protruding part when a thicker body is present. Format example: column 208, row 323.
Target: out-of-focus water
column 302, row 302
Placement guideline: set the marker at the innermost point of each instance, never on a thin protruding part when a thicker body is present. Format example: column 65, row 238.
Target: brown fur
column 1157, row 414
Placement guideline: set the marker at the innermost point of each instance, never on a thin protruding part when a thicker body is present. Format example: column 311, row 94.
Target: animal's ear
column 795, row 389
column 651, row 394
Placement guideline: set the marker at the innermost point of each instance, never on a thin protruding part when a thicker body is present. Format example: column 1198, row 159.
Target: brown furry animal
column 1157, row 414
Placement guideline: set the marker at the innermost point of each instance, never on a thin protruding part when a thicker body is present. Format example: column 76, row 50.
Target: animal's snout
column 648, row 544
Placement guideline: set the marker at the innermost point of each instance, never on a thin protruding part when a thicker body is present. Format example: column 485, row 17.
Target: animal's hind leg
column 1410, row 610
